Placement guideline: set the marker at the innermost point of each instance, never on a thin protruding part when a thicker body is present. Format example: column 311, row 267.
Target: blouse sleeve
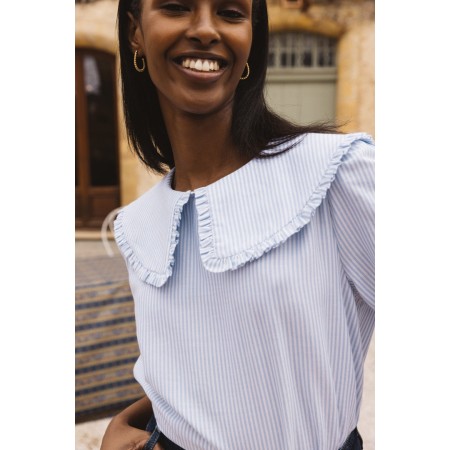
column 352, row 203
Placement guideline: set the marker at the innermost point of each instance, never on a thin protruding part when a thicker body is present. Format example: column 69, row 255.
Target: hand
column 121, row 436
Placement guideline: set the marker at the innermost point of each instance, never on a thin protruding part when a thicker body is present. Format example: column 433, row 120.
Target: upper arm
column 352, row 203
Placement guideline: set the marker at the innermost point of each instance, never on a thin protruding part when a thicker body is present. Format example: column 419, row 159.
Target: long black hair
column 254, row 126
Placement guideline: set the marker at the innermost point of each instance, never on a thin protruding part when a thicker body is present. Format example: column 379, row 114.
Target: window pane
column 99, row 87
column 301, row 50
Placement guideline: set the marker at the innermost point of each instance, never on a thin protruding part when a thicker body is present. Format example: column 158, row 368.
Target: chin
column 207, row 105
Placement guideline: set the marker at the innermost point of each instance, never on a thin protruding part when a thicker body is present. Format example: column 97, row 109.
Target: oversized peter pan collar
column 241, row 216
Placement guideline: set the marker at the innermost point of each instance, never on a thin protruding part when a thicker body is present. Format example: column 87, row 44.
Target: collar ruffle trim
column 147, row 275
column 150, row 254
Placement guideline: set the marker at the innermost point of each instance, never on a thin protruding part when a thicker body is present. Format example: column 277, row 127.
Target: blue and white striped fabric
column 254, row 298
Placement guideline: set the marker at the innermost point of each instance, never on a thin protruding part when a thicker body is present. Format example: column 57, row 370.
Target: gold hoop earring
column 244, row 77
column 135, row 62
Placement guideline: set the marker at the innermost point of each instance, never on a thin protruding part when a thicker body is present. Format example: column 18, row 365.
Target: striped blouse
column 254, row 298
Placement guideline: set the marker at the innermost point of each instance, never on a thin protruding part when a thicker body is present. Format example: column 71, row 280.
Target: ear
column 135, row 37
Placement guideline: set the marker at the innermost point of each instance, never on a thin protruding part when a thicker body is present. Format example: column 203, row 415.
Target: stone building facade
column 349, row 22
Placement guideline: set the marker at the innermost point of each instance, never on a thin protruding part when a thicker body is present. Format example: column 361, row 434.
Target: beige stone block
column 95, row 25
column 282, row 19
column 356, row 83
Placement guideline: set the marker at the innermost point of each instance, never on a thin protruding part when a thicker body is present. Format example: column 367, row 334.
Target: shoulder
column 312, row 161
column 278, row 195
column 356, row 166
column 324, row 145
column 318, row 155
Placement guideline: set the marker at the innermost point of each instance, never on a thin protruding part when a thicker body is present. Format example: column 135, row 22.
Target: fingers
column 125, row 438
column 140, row 445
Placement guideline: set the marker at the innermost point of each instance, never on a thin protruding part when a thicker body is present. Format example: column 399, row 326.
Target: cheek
column 154, row 54
column 244, row 45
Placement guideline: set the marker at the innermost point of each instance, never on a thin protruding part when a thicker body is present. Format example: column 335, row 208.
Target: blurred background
column 321, row 67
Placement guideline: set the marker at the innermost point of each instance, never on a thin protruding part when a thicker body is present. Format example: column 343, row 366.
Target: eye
column 232, row 14
column 174, row 8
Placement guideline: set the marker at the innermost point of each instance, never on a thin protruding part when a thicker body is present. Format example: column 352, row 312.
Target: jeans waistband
column 353, row 441
column 158, row 436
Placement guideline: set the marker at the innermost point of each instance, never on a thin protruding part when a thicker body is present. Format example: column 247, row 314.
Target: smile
column 200, row 65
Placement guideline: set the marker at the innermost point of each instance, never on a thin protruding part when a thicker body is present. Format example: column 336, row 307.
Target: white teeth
column 201, row 65
column 198, row 65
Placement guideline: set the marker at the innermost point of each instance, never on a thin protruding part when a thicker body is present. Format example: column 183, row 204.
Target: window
column 292, row 50
column 301, row 78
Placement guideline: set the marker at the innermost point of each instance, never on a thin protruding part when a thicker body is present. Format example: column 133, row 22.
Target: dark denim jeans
column 157, row 436
column 353, row 441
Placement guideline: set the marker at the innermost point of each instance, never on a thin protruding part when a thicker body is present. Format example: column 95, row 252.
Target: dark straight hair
column 254, row 128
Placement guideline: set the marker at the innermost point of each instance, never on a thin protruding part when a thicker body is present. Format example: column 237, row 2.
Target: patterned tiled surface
column 86, row 248
column 99, row 269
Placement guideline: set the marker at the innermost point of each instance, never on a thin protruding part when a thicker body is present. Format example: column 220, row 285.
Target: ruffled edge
column 217, row 264
column 149, row 276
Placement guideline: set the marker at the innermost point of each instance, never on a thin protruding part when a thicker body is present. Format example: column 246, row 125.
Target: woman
column 251, row 262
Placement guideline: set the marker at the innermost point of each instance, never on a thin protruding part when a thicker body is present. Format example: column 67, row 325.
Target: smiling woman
column 167, row 34
column 251, row 262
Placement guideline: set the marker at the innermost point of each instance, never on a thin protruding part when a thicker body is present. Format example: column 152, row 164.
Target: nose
column 202, row 28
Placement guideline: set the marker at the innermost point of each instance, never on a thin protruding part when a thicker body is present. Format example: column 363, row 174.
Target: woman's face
column 195, row 50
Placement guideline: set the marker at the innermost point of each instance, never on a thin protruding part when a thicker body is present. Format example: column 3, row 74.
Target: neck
column 202, row 147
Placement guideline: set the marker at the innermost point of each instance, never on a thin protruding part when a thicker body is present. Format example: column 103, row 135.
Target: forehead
column 140, row 3
column 254, row 7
